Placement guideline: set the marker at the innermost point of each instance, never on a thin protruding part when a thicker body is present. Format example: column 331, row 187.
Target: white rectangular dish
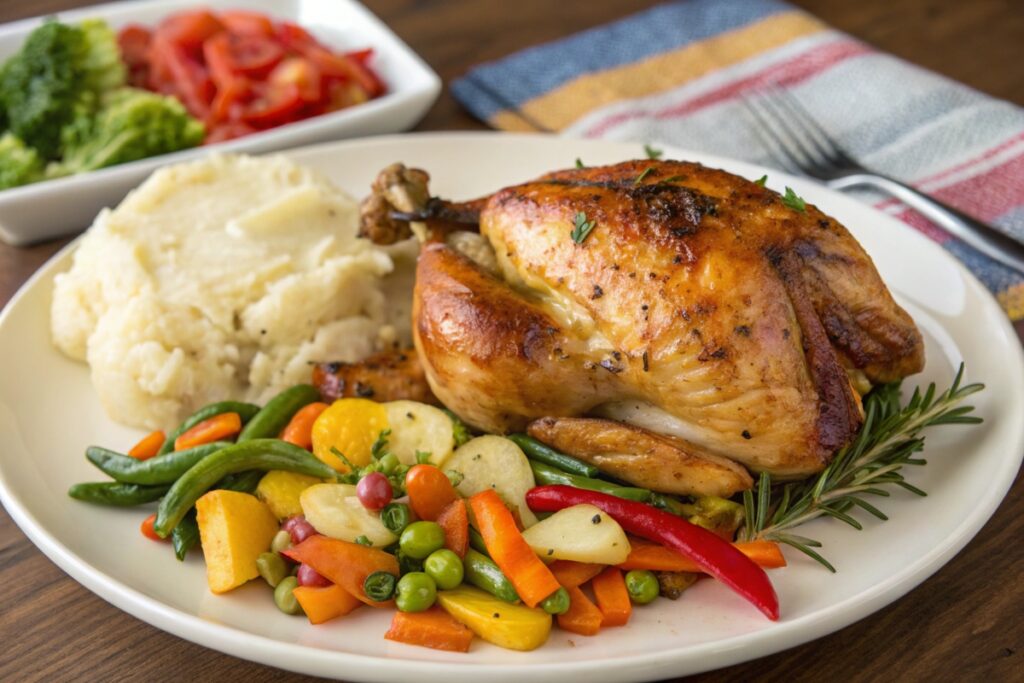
column 55, row 207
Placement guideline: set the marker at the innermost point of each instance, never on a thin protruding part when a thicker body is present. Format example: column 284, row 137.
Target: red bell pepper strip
column 712, row 554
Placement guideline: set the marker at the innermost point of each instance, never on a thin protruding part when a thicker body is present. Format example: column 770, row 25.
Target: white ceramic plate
column 969, row 469
column 27, row 213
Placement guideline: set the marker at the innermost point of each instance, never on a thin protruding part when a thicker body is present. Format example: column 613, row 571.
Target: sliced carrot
column 148, row 446
column 454, row 519
column 433, row 628
column 147, row 528
column 583, row 616
column 574, row 574
column 612, row 597
column 300, row 429
column 218, row 427
column 510, row 551
column 323, row 603
column 643, row 555
column 346, row 564
column 429, row 491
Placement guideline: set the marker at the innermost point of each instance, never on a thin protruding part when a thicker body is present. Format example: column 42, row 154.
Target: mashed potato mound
column 225, row 278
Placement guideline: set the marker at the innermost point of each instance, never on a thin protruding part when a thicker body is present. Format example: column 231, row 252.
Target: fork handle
column 979, row 235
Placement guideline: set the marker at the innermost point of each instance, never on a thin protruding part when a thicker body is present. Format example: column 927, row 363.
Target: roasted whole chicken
column 677, row 325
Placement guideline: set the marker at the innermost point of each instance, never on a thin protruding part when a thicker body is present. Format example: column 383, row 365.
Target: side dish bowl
column 55, row 207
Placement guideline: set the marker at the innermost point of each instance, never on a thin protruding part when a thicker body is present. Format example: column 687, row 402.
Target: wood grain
column 961, row 624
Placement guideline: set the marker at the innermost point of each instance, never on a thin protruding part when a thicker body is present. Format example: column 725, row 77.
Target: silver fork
column 805, row 146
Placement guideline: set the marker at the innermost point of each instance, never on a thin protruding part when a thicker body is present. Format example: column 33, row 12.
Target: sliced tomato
column 134, row 42
column 342, row 66
column 342, row 94
column 217, row 55
column 192, row 83
column 229, row 102
column 294, row 36
column 361, row 56
column 276, row 105
column 227, row 131
column 300, row 72
column 190, row 29
column 244, row 23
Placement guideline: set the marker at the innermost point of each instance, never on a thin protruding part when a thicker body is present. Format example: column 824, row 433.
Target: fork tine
column 796, row 138
column 825, row 143
column 771, row 137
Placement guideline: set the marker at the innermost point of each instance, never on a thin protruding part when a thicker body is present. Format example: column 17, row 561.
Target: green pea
column 272, row 568
column 642, row 586
column 416, row 592
column 284, row 596
column 557, row 602
column 445, row 568
column 419, row 539
column 389, row 462
column 380, row 586
column 282, row 541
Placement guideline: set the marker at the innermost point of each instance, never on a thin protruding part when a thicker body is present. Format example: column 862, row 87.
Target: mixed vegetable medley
column 398, row 506
column 80, row 97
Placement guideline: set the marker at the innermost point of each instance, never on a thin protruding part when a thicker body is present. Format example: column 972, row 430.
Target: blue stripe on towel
column 535, row 71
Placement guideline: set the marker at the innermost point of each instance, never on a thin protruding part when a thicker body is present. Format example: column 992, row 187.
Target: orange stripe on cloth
column 1012, row 300
column 563, row 106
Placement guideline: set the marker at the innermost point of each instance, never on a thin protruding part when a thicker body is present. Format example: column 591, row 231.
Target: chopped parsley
column 363, row 540
column 423, row 457
column 643, row 175
column 579, row 163
column 582, row 227
column 793, row 201
column 652, row 152
column 762, row 180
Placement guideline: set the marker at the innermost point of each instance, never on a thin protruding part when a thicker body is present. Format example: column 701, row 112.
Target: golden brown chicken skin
column 700, row 306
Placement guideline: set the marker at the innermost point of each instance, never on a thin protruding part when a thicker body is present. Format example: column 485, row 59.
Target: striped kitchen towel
column 677, row 74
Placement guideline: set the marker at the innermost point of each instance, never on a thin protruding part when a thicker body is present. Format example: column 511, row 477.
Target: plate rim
column 711, row 655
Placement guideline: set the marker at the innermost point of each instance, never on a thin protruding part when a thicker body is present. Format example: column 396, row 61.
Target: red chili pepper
column 715, row 556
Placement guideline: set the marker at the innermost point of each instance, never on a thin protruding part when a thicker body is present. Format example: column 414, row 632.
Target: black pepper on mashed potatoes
column 225, row 278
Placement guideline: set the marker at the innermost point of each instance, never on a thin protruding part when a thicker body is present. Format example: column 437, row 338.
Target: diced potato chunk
column 280, row 490
column 234, row 529
column 335, row 511
column 515, row 627
column 494, row 462
column 582, row 533
column 418, row 427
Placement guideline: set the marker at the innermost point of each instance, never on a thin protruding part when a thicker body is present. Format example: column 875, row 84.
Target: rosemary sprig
column 888, row 440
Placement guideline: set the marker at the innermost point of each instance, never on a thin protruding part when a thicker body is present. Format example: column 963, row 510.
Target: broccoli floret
column 19, row 163
column 59, row 65
column 102, row 67
column 132, row 124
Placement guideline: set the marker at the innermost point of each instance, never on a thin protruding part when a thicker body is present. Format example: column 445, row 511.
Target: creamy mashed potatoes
column 225, row 278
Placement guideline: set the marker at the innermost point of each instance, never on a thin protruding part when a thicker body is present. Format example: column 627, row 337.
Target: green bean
column 482, row 572
column 546, row 475
column 116, row 493
column 272, row 568
column 185, row 535
column 258, row 454
column 246, row 411
column 380, row 586
column 556, row 603
column 243, row 482
column 284, row 596
column 274, row 416
column 163, row 469
column 669, row 504
column 476, row 541
column 549, row 456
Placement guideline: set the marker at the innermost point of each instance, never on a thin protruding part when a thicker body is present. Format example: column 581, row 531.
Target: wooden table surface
column 962, row 624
